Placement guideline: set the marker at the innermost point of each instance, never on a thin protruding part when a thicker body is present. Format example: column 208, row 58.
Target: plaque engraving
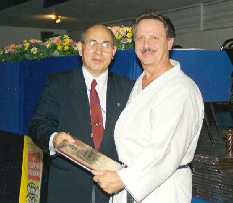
column 86, row 156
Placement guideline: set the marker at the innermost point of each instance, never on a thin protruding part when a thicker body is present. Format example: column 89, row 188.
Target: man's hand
column 109, row 181
column 60, row 137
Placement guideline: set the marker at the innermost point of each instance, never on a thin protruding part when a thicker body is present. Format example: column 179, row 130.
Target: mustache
column 148, row 50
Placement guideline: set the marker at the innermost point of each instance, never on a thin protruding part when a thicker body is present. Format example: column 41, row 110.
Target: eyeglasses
column 93, row 45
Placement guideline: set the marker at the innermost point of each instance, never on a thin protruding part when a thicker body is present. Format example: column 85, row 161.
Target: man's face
column 96, row 61
column 151, row 43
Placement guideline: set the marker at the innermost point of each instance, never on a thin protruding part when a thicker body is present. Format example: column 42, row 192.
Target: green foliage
column 36, row 49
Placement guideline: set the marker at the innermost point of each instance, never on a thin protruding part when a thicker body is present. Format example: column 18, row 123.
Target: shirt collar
column 101, row 80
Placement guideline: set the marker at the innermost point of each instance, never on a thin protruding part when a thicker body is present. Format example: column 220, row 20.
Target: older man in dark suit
column 64, row 110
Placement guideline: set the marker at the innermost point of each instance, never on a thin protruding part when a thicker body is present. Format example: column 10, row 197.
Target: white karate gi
column 155, row 134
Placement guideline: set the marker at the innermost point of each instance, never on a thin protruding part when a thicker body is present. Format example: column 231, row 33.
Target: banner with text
column 31, row 172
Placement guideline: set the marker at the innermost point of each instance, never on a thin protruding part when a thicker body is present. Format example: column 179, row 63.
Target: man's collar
column 101, row 80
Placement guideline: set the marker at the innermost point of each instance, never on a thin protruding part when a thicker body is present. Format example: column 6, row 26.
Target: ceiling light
column 56, row 19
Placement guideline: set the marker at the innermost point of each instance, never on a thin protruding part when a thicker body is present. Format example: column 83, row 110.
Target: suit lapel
column 80, row 105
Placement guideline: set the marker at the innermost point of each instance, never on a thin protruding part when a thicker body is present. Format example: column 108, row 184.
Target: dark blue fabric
column 10, row 94
column 126, row 64
column 22, row 82
column 211, row 70
column 196, row 200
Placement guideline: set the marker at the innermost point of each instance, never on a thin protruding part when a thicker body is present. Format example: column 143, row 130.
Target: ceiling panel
column 81, row 13
column 9, row 3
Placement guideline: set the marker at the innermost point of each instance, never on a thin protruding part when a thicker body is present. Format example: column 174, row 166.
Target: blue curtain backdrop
column 10, row 96
column 23, row 82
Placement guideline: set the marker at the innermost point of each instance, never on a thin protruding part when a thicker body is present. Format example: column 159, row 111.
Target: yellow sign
column 31, row 172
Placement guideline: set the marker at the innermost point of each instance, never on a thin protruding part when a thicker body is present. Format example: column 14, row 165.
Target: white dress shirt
column 101, row 89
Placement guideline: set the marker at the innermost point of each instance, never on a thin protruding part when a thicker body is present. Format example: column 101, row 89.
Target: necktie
column 96, row 116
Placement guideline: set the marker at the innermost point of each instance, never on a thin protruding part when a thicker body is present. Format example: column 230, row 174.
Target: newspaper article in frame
column 86, row 156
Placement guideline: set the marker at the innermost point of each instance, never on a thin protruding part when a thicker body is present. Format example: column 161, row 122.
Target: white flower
column 129, row 40
column 34, row 50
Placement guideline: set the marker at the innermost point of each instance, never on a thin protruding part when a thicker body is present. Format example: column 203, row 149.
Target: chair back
column 227, row 44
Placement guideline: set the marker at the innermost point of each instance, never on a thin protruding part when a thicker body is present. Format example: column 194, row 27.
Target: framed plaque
column 86, row 156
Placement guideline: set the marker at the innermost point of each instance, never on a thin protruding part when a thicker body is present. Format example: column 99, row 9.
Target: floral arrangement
column 36, row 49
column 58, row 46
column 123, row 37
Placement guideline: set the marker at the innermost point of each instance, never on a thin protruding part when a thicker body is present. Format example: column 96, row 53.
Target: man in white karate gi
column 156, row 135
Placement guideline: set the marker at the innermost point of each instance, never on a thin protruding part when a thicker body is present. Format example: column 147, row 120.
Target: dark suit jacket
column 64, row 107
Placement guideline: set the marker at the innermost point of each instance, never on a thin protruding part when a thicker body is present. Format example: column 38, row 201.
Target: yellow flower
column 66, row 41
column 48, row 45
column 130, row 29
column 66, row 47
column 118, row 36
column 26, row 46
column 129, row 35
column 122, row 31
column 1, row 52
column 59, row 47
